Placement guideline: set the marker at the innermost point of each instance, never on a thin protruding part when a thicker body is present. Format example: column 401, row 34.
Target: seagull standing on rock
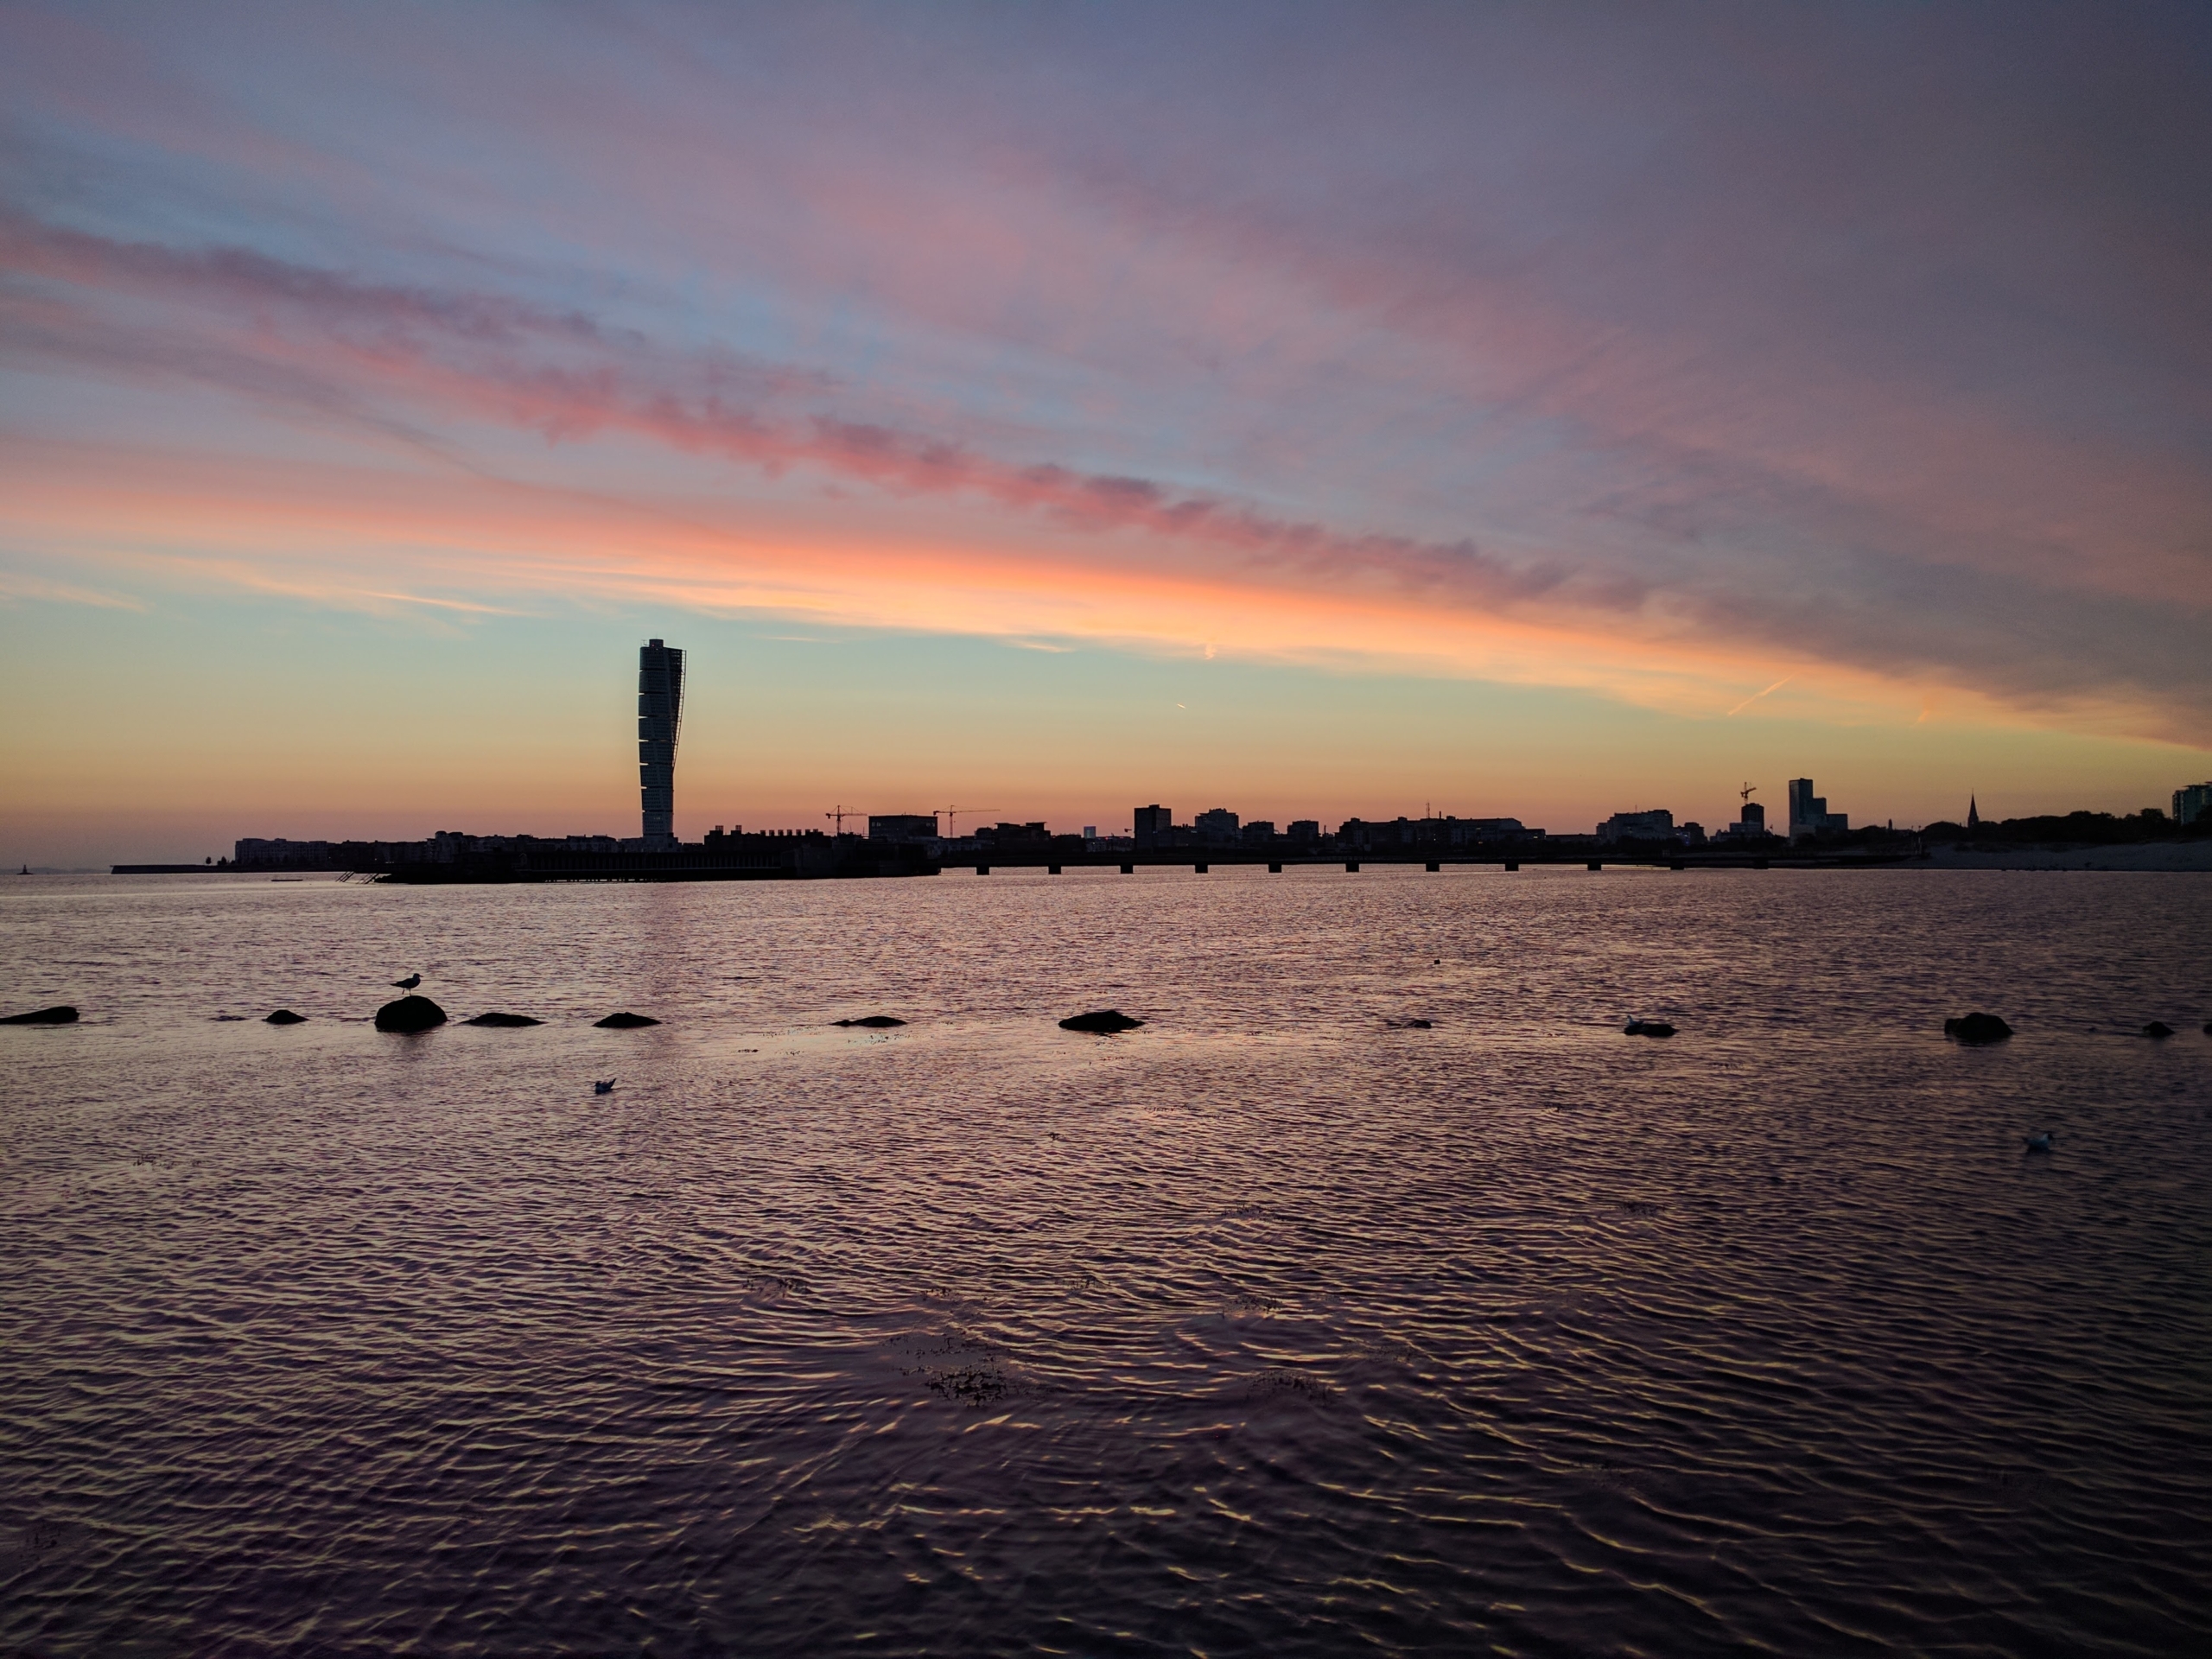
column 408, row 983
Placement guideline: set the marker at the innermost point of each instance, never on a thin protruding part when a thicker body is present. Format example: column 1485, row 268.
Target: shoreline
column 2176, row 857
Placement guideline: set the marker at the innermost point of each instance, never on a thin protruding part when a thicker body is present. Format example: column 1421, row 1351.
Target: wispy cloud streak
column 311, row 330
column 1756, row 696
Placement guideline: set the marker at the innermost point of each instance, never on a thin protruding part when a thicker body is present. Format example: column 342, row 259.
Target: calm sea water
column 1275, row 1327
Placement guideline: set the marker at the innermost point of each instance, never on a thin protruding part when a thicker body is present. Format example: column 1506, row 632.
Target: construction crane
column 1746, row 791
column 952, row 818
column 838, row 815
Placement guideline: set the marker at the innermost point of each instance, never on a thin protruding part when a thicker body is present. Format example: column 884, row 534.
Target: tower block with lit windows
column 660, row 719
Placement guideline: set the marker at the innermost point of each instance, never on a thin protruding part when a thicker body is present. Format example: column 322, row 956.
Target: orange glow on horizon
column 462, row 544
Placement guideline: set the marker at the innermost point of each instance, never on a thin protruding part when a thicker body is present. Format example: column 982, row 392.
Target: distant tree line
column 2072, row 829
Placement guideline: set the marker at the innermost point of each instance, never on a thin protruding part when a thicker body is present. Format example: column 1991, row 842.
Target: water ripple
column 1276, row 1325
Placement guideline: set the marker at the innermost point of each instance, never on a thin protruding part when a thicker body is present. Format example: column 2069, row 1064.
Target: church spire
column 1973, row 813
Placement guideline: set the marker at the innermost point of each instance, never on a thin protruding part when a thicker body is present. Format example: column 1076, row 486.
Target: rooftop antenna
column 952, row 818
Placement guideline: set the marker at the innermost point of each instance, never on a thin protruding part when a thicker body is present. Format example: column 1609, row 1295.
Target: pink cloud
column 1757, row 339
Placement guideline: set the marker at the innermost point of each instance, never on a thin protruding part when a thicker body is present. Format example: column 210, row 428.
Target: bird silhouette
column 408, row 983
column 606, row 1088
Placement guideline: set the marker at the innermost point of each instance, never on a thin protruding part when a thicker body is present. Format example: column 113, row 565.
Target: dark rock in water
column 1977, row 1028
column 873, row 1021
column 1648, row 1028
column 1418, row 1025
column 625, row 1021
column 285, row 1017
column 2158, row 1028
column 515, row 1019
column 1102, row 1021
column 410, row 1013
column 62, row 1015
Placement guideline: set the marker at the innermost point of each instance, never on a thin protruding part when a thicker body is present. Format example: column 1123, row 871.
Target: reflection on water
column 1281, row 1325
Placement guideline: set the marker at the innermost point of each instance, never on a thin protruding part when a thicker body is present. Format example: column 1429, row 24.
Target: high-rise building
column 1658, row 824
column 902, row 826
column 1805, row 807
column 1155, row 826
column 1752, row 824
column 660, row 719
column 1809, row 813
column 1217, row 826
column 2192, row 802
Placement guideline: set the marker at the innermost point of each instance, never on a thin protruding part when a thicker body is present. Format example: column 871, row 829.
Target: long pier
column 813, row 858
column 1199, row 860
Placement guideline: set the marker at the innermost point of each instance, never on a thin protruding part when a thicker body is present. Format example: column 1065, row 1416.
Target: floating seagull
column 599, row 1088
column 2039, row 1142
column 408, row 983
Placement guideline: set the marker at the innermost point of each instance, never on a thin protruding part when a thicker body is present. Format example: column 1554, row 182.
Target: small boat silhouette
column 2039, row 1142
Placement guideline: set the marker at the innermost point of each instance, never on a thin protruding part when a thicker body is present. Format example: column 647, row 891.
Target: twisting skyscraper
column 660, row 719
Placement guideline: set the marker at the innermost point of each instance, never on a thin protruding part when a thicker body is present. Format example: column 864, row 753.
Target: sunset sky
column 1531, row 410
